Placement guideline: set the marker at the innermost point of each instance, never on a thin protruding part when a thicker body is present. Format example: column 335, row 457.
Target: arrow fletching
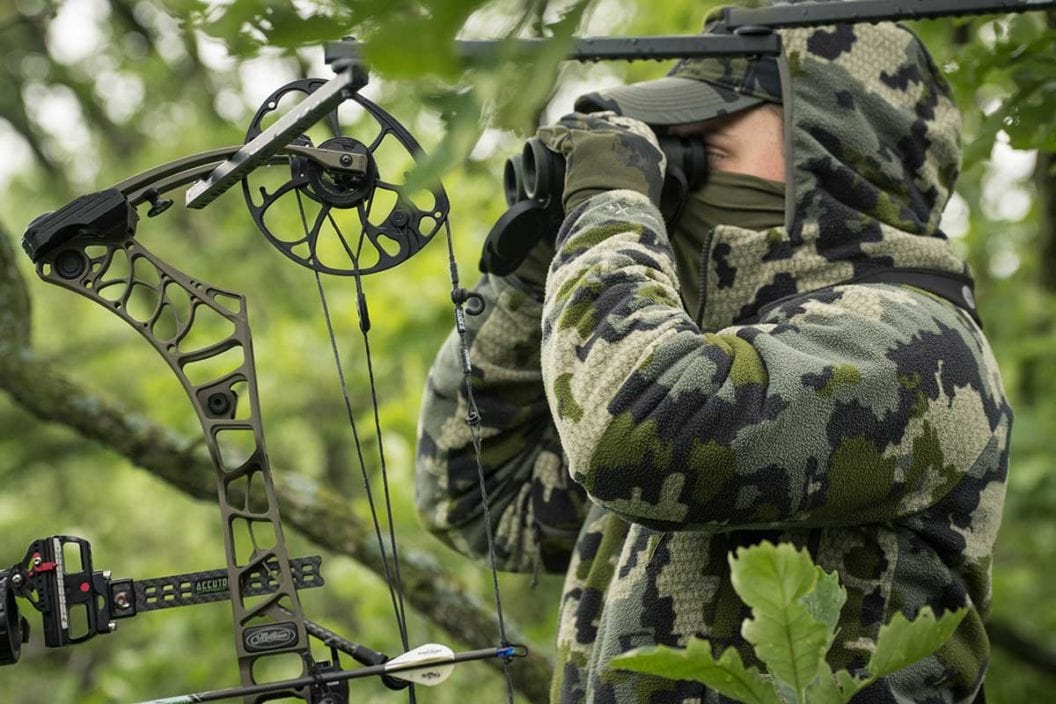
column 436, row 663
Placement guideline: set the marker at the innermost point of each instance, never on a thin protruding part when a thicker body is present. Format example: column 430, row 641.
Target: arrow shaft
column 385, row 669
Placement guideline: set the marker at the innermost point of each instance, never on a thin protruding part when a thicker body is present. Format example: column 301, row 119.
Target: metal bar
column 178, row 173
column 853, row 11
column 167, row 170
column 275, row 138
column 630, row 48
column 656, row 48
column 209, row 586
column 737, row 44
column 138, row 195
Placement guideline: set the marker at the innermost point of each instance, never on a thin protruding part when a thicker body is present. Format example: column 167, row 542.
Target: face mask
column 726, row 199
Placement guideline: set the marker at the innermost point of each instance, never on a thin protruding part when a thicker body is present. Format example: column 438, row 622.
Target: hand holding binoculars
column 534, row 181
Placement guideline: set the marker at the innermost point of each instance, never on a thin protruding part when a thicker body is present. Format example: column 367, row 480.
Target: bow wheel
column 352, row 214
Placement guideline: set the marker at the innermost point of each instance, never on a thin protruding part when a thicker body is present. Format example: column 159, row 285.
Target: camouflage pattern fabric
column 752, row 76
column 604, row 152
column 536, row 507
column 866, row 423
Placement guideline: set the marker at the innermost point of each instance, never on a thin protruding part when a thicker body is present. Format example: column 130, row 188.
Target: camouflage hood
column 872, row 147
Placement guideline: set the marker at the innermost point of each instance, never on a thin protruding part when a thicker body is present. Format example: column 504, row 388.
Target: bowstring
column 364, row 323
column 473, row 421
column 394, row 584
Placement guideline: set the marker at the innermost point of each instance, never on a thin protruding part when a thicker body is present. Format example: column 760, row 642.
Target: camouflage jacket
column 633, row 445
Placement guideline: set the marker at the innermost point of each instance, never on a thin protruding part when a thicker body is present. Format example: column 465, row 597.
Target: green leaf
column 824, row 690
column 902, row 642
column 826, row 600
column 786, row 694
column 824, row 604
column 460, row 112
column 431, row 27
column 535, row 77
column 727, row 675
column 831, row 688
column 290, row 30
column 772, row 580
column 850, row 685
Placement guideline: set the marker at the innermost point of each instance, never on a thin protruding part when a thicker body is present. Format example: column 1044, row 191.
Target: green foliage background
column 169, row 78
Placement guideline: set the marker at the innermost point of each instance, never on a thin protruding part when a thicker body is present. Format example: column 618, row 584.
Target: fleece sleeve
column 856, row 404
column 535, row 508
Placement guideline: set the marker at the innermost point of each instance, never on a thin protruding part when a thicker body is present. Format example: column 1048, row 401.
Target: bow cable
column 458, row 296
column 364, row 324
column 394, row 584
column 472, row 420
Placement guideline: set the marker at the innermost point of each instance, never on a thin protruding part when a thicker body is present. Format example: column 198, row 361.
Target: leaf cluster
column 795, row 612
column 1003, row 79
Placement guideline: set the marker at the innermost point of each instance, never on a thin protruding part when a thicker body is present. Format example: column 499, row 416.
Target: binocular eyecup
column 535, row 174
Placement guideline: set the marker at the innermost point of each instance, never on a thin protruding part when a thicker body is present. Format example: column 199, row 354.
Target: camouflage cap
column 694, row 90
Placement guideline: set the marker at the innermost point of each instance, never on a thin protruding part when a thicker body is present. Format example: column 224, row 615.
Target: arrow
column 412, row 665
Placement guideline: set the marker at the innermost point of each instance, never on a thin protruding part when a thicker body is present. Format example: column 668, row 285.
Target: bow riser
column 202, row 332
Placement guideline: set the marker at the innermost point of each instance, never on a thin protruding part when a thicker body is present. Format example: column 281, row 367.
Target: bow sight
column 334, row 186
column 77, row 602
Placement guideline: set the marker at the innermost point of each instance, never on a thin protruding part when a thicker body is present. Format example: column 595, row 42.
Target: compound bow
column 90, row 247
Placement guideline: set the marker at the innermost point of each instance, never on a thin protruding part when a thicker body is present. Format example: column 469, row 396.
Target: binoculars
column 533, row 183
column 538, row 173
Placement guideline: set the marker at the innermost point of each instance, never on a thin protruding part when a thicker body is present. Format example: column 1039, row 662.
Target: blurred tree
column 92, row 91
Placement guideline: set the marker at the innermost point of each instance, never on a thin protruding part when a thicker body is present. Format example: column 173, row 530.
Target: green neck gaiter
column 726, row 199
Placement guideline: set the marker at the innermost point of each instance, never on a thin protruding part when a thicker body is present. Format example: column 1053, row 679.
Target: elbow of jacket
column 638, row 495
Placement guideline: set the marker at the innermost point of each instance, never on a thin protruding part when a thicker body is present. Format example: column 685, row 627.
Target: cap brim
column 668, row 101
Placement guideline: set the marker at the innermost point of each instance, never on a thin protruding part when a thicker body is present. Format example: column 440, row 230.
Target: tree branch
column 314, row 511
column 1045, row 180
column 14, row 321
column 1009, row 639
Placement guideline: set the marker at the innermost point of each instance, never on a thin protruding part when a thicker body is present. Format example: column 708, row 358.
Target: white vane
column 436, row 660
